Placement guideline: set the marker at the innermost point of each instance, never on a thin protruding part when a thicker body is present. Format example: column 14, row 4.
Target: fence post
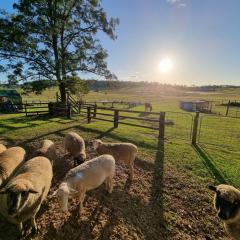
column 161, row 126
column 88, row 114
column 57, row 96
column 69, row 111
column 79, row 107
column 95, row 110
column 228, row 107
column 116, row 118
column 25, row 107
column 195, row 128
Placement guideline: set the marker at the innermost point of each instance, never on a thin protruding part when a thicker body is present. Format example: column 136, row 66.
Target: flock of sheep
column 24, row 185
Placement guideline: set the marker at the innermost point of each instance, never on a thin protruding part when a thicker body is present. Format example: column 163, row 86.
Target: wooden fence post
column 69, row 111
column 95, row 110
column 57, row 96
column 88, row 114
column 228, row 107
column 116, row 118
column 195, row 128
column 79, row 107
column 25, row 107
column 161, row 126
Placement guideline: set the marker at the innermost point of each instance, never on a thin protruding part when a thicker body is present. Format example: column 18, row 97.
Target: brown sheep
column 22, row 196
column 227, row 205
column 2, row 148
column 75, row 145
column 124, row 153
column 10, row 159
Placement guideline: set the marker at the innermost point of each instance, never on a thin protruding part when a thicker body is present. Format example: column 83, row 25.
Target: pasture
column 168, row 198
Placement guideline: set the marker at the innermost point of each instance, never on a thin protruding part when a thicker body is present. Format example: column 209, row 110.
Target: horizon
column 200, row 39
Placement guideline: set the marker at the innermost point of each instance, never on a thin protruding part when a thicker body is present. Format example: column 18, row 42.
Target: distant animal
column 227, row 205
column 2, row 148
column 75, row 145
column 124, row 153
column 85, row 177
column 10, row 160
column 47, row 150
column 148, row 106
column 21, row 197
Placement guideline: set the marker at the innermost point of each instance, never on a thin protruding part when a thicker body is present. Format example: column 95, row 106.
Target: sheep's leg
column 20, row 229
column 131, row 171
column 34, row 226
column 81, row 199
column 110, row 184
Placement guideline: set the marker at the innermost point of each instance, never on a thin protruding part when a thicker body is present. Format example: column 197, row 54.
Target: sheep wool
column 2, row 148
column 123, row 153
column 10, row 159
column 75, row 145
column 30, row 184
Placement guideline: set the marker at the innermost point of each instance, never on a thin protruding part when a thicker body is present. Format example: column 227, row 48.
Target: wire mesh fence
column 219, row 130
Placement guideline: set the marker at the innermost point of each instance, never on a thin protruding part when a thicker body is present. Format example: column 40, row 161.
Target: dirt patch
column 158, row 204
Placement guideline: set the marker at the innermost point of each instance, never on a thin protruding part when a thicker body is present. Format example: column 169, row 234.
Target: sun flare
column 166, row 65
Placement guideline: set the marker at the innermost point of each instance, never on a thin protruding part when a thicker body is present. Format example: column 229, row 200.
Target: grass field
column 168, row 198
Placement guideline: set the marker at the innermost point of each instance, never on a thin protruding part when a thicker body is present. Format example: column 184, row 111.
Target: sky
column 200, row 37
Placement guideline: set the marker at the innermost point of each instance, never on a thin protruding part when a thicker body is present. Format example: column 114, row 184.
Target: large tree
column 55, row 39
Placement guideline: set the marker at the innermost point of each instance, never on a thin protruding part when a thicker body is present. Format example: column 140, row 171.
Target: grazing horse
column 148, row 106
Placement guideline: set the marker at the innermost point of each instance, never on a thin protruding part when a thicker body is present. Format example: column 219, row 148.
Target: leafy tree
column 55, row 39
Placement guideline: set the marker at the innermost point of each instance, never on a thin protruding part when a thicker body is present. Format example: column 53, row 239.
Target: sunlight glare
column 165, row 65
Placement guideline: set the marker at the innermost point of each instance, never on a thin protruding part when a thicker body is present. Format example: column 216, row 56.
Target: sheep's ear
column 72, row 190
column 32, row 191
column 213, row 188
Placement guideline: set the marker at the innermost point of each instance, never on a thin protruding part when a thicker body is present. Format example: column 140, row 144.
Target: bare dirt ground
column 159, row 204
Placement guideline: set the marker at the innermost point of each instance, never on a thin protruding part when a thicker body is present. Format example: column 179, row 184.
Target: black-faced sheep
column 2, row 148
column 22, row 196
column 227, row 204
column 124, row 153
column 75, row 145
column 47, row 150
column 10, row 159
column 85, row 177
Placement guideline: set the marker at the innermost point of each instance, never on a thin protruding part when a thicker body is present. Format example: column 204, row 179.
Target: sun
column 166, row 65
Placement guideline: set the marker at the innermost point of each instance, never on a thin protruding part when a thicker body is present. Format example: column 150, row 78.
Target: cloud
column 182, row 5
column 173, row 1
column 179, row 3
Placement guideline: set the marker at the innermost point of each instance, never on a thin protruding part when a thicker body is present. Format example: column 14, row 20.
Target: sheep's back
column 2, row 148
column 74, row 143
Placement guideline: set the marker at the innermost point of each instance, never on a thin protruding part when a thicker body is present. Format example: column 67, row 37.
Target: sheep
column 227, row 204
column 122, row 152
column 47, row 150
column 2, row 148
column 10, row 159
column 75, row 145
column 85, row 177
column 22, row 196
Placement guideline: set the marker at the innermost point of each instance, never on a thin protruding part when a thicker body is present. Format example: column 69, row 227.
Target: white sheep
column 122, row 152
column 47, row 150
column 10, row 159
column 22, row 196
column 2, row 148
column 227, row 204
column 85, row 177
column 75, row 145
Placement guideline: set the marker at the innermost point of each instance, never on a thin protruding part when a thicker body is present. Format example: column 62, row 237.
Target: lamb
column 47, row 150
column 22, row 196
column 227, row 204
column 10, row 159
column 75, row 145
column 85, row 177
column 2, row 148
column 122, row 152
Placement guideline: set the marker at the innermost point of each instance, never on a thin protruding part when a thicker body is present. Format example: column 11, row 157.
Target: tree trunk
column 62, row 90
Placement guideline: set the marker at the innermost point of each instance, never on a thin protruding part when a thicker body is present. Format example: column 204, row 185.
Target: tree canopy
column 55, row 39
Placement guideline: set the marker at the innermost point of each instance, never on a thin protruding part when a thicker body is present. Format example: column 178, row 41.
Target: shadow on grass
column 208, row 162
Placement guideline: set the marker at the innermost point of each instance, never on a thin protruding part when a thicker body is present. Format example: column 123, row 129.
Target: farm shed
column 10, row 94
column 195, row 105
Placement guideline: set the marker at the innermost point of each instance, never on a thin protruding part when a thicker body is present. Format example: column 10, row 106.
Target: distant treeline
column 101, row 85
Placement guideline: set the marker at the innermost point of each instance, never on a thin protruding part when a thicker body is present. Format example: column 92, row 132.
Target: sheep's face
column 16, row 200
column 96, row 143
column 227, row 202
column 80, row 158
column 62, row 195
